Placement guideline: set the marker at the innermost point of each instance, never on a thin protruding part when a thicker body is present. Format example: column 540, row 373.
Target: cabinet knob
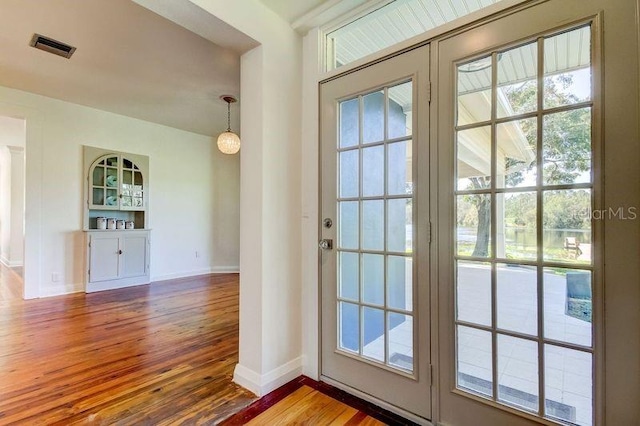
column 119, row 251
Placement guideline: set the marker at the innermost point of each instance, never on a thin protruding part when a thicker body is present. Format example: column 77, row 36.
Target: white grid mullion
column 493, row 232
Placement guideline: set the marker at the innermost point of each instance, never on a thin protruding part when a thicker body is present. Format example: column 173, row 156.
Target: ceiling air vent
column 52, row 46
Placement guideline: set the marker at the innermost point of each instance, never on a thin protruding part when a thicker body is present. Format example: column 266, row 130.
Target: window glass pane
column 373, row 117
column 373, row 279
column 474, row 158
column 517, row 298
column 400, row 282
column 566, row 147
column 517, row 80
column 349, row 175
column 349, row 275
column 567, row 68
column 399, row 225
column 473, row 231
column 348, row 226
column 349, row 326
column 518, row 372
column 475, row 360
column 349, row 123
column 567, row 226
column 568, row 306
column 474, row 91
column 400, row 110
column 400, row 340
column 568, row 385
column 373, row 225
column 473, row 292
column 399, row 168
column 373, row 171
column 373, row 329
column 516, row 161
column 516, row 225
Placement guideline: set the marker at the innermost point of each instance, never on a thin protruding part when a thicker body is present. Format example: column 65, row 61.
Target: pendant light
column 228, row 142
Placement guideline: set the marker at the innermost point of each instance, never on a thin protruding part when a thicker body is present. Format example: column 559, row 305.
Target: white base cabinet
column 116, row 259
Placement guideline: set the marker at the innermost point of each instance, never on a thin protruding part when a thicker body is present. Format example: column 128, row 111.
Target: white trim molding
column 196, row 272
column 61, row 289
column 270, row 381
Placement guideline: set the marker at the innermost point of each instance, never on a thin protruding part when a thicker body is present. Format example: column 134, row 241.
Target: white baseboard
column 270, row 381
column 61, row 289
column 196, row 272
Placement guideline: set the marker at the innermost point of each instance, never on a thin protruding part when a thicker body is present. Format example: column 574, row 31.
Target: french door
column 519, row 251
column 375, row 335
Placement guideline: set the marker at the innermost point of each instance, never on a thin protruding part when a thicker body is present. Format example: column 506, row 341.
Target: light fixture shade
column 228, row 143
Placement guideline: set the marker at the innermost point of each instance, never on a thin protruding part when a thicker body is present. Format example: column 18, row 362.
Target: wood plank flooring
column 310, row 407
column 10, row 284
column 159, row 354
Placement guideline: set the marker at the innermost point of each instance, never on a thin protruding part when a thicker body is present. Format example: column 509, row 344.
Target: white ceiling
column 129, row 60
column 290, row 10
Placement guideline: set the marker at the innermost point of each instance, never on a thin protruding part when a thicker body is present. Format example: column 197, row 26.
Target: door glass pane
column 98, row 196
column 516, row 156
column 567, row 226
column 112, row 177
column 518, row 372
column 399, row 168
column 127, row 177
column 516, row 225
column 517, row 298
column 349, row 275
column 517, row 80
column 474, row 225
column 348, row 226
column 349, row 326
column 473, row 292
column 400, row 330
column 112, row 161
column 374, row 336
column 373, row 171
column 568, row 305
column 373, row 279
column 98, row 176
column 127, row 164
column 567, row 70
column 474, row 91
column 475, row 360
column 566, row 147
column 399, row 225
column 349, row 123
column 373, row 117
column 112, row 197
column 400, row 110
column 373, row 225
column 568, row 385
column 400, row 282
column 474, row 158
column 349, row 174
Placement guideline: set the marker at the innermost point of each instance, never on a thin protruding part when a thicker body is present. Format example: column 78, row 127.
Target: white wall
column 270, row 284
column 12, row 141
column 193, row 202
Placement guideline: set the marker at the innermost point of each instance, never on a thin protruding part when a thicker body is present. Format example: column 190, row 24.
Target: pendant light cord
column 228, row 116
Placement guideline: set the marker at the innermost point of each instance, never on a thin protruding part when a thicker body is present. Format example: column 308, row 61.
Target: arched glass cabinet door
column 103, row 188
column 132, row 188
column 116, row 183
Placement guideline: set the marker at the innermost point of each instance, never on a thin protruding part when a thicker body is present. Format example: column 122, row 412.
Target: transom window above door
column 394, row 22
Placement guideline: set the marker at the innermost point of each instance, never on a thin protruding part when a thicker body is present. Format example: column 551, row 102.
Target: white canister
column 120, row 224
column 130, row 224
column 111, row 223
column 101, row 223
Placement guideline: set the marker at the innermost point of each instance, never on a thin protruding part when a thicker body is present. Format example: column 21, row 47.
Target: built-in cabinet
column 116, row 187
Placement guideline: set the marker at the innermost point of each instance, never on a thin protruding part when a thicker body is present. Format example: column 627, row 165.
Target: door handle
column 326, row 244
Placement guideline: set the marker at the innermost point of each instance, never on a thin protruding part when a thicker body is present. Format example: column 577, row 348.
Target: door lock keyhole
column 327, row 222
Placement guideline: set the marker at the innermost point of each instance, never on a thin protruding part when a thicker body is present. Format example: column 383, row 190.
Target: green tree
column 566, row 152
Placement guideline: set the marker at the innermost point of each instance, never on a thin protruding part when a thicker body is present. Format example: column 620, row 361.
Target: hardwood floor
column 159, row 354
column 10, row 285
